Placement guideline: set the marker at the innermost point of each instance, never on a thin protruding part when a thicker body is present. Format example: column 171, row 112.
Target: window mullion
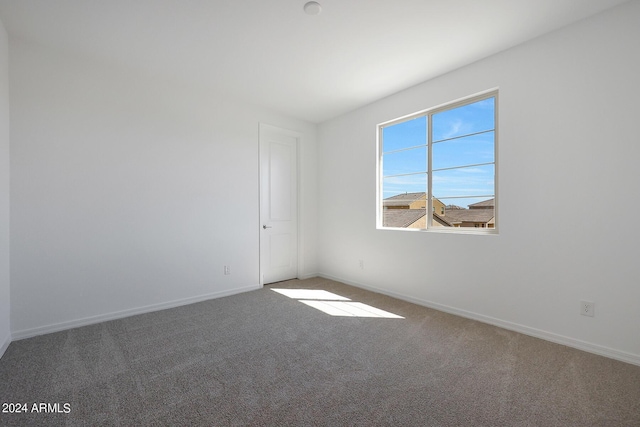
column 380, row 169
column 429, row 215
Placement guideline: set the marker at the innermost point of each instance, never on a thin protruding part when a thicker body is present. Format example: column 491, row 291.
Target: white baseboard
column 56, row 327
column 5, row 345
column 308, row 276
column 526, row 330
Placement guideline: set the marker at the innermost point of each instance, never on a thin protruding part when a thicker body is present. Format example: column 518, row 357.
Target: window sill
column 466, row 230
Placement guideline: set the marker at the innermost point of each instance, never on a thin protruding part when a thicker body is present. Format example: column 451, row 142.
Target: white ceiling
column 270, row 53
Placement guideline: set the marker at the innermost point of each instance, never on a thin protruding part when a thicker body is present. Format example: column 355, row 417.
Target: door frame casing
column 262, row 128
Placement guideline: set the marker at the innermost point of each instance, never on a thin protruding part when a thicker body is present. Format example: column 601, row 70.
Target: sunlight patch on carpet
column 335, row 305
column 315, row 294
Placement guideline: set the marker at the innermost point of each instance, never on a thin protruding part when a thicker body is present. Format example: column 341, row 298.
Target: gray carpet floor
column 263, row 359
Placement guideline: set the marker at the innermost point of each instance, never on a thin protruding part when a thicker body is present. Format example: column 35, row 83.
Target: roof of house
column 402, row 217
column 486, row 204
column 469, row 215
column 404, row 199
column 439, row 219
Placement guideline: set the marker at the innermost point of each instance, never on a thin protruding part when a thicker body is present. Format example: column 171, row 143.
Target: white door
column 278, row 204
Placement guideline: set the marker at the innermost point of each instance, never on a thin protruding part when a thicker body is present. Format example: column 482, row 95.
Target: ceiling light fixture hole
column 312, row 8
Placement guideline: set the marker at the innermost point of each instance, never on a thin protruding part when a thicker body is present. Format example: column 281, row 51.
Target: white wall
column 569, row 185
column 130, row 193
column 5, row 331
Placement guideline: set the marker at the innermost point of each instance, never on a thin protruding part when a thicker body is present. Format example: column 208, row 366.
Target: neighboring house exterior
column 412, row 201
column 487, row 204
column 479, row 215
column 406, row 201
column 408, row 210
column 478, row 218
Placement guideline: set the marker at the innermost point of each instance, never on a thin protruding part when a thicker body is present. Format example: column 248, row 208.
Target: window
column 446, row 157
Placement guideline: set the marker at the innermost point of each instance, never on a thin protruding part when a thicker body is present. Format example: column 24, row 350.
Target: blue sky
column 463, row 139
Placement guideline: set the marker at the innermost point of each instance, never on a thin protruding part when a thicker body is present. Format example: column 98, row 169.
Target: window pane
column 400, row 185
column 464, row 120
column 405, row 161
column 469, row 150
column 467, row 181
column 406, row 134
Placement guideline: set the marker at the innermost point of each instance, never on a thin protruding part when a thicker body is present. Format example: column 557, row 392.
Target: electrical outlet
column 587, row 308
column 227, row 270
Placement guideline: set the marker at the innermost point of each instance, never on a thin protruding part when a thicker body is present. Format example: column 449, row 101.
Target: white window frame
column 492, row 93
